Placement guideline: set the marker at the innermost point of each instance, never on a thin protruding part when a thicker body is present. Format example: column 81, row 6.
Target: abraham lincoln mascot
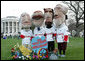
column 49, row 28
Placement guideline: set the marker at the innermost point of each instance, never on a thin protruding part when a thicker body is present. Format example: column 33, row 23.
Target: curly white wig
column 62, row 7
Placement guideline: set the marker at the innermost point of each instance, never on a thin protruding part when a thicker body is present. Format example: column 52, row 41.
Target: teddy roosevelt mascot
column 61, row 28
column 38, row 19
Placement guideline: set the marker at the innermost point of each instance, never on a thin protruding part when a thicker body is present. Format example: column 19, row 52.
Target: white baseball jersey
column 27, row 35
column 49, row 33
column 39, row 33
column 61, row 31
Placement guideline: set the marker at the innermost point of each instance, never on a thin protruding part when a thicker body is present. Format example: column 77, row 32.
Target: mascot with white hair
column 61, row 28
column 26, row 32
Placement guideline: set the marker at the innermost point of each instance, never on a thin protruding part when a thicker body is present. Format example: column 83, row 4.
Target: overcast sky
column 15, row 8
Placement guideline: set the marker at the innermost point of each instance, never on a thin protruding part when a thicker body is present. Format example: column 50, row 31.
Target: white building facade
column 10, row 25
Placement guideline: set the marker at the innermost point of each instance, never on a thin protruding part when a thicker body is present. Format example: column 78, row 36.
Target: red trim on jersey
column 22, row 36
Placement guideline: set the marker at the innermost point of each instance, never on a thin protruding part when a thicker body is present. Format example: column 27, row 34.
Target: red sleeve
column 22, row 36
column 54, row 34
column 65, row 37
column 31, row 37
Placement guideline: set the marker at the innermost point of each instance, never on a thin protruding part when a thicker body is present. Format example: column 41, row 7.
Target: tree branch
column 69, row 6
column 80, row 24
column 81, row 8
column 81, row 15
column 72, row 5
column 71, row 9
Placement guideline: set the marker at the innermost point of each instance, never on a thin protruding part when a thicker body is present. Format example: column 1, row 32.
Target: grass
column 6, row 45
column 75, row 48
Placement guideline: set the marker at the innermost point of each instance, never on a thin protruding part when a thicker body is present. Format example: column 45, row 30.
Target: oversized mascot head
column 25, row 21
column 38, row 18
column 59, row 14
column 48, row 15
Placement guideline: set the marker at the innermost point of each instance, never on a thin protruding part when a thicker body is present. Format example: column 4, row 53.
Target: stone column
column 16, row 27
column 19, row 27
column 8, row 28
column 12, row 27
column 5, row 27
column 1, row 26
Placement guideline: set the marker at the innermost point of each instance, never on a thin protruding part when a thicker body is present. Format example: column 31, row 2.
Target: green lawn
column 75, row 48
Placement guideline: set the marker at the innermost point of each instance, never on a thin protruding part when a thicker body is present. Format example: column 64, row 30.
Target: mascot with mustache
column 26, row 32
column 61, row 28
column 37, row 20
column 49, row 28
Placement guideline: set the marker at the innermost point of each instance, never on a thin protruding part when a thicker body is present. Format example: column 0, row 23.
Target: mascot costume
column 61, row 28
column 26, row 32
column 38, row 19
column 49, row 28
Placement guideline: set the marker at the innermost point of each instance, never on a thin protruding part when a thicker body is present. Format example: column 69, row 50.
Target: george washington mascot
column 26, row 32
